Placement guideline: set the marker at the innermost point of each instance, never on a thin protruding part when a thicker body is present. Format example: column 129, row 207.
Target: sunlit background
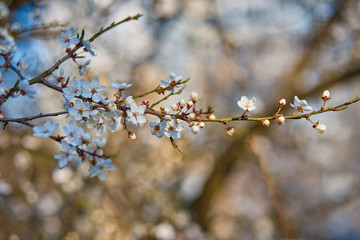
column 262, row 183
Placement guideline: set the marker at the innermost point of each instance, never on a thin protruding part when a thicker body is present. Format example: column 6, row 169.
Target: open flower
column 171, row 81
column 155, row 128
column 46, row 130
column 81, row 109
column 68, row 154
column 121, row 85
column 300, row 105
column 88, row 47
column 136, row 114
column 171, row 128
column 101, row 168
column 93, row 90
column 246, row 104
column 67, row 38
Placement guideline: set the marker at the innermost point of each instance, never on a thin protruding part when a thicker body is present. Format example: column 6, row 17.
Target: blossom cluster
column 94, row 106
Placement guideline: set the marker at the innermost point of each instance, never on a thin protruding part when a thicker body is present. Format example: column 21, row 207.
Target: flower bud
column 281, row 120
column 112, row 106
column 192, row 116
column 175, row 107
column 132, row 135
column 182, row 103
column 230, row 131
column 201, row 124
column 194, row 96
column 167, row 117
column 326, row 95
column 282, row 102
column 320, row 128
column 189, row 104
column 266, row 123
column 166, row 110
column 195, row 129
column 211, row 116
column 100, row 143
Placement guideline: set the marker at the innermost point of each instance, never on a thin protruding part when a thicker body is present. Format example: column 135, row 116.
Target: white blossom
column 75, row 89
column 7, row 42
column 24, row 89
column 46, row 130
column 320, row 128
column 195, row 129
column 171, row 81
column 246, row 104
column 83, row 67
column 100, row 143
column 326, row 94
column 88, row 47
column 136, row 114
column 171, row 128
column 66, row 155
column 300, row 105
column 67, row 38
column 155, row 128
column 194, row 96
column 74, row 134
column 281, row 120
column 80, row 110
column 120, row 85
column 101, row 168
column 93, row 90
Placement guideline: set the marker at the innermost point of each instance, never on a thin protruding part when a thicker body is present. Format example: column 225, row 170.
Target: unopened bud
column 192, row 116
column 194, row 96
column 201, row 124
column 266, row 123
column 326, row 95
column 182, row 103
column 195, row 129
column 167, row 117
column 282, row 102
column 320, row 128
column 211, row 116
column 112, row 106
column 230, row 131
column 166, row 110
column 132, row 135
column 281, row 120
column 175, row 107
column 189, row 104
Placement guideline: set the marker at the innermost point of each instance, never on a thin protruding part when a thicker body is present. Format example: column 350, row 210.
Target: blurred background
column 280, row 182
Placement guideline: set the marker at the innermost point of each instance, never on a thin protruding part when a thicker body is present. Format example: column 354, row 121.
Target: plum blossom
column 300, row 105
column 66, row 155
column 24, row 89
column 171, row 81
column 84, row 66
column 57, row 78
column 320, row 128
column 7, row 42
column 136, row 114
column 155, row 128
column 171, row 128
column 67, row 38
column 93, row 90
column 75, row 89
column 246, row 104
column 88, row 47
column 80, row 110
column 101, row 168
column 120, row 85
column 74, row 134
column 46, row 130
